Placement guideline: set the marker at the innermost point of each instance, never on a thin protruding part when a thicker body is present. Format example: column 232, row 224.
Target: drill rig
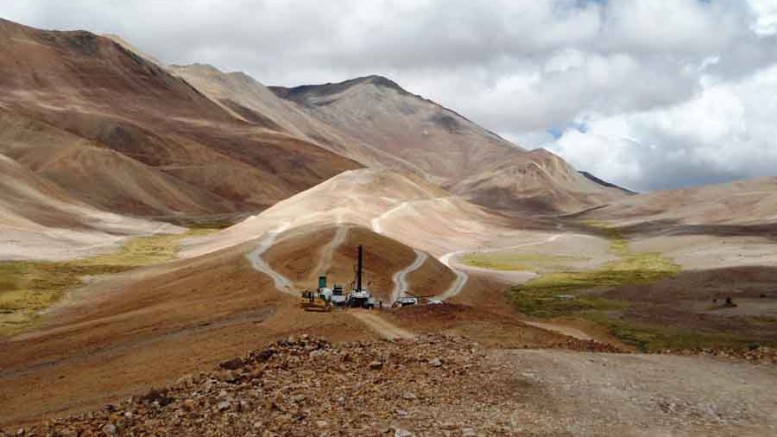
column 360, row 296
column 325, row 299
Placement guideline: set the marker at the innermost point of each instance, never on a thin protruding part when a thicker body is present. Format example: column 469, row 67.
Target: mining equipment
column 405, row 301
column 319, row 300
column 325, row 298
column 338, row 298
column 360, row 296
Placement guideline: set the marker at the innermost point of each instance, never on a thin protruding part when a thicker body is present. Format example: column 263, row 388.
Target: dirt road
column 560, row 329
column 282, row 283
column 382, row 327
column 327, row 252
column 583, row 393
column 400, row 277
column 461, row 274
column 376, row 221
column 373, row 321
column 448, row 386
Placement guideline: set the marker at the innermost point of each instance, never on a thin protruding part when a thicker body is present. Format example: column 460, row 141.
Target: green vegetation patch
column 137, row 252
column 561, row 294
column 505, row 260
column 555, row 294
column 654, row 338
column 27, row 287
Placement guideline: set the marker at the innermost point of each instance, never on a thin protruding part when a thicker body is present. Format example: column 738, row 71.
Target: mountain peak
column 303, row 93
column 378, row 80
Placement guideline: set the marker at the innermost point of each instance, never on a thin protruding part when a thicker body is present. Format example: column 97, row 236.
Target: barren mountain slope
column 447, row 148
column 249, row 100
column 434, row 220
column 745, row 202
column 74, row 164
column 40, row 221
column 97, row 90
column 305, row 253
column 714, row 226
column 540, row 181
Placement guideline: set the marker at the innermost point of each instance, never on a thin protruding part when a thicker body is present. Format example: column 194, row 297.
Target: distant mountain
column 177, row 142
column 739, row 203
column 374, row 110
column 447, row 148
column 375, row 122
column 121, row 133
column 251, row 101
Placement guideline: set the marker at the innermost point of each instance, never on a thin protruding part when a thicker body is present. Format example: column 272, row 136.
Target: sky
column 648, row 94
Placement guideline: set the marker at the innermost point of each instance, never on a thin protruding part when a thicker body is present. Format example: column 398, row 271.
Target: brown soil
column 297, row 252
column 442, row 386
column 431, row 279
column 125, row 334
column 695, row 301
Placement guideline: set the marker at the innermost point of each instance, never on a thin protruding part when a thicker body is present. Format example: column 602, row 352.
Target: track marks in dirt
column 328, row 251
column 376, row 221
column 381, row 326
column 560, row 329
column 462, row 276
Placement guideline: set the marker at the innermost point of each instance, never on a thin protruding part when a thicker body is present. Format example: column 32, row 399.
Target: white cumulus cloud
column 646, row 93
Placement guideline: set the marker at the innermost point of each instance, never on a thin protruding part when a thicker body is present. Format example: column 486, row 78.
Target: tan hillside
column 248, row 99
column 447, row 148
column 745, row 202
column 72, row 81
column 38, row 220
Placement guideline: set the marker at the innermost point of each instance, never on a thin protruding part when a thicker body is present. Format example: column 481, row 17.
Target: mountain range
column 112, row 163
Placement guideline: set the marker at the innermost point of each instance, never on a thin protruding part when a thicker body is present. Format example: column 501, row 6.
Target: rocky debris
column 435, row 385
column 755, row 354
column 427, row 386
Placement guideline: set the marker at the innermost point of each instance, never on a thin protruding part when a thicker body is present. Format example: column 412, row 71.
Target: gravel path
column 645, row 395
column 282, row 283
column 400, row 278
column 461, row 276
column 444, row 386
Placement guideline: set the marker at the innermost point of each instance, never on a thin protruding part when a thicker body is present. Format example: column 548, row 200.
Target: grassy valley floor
column 633, row 298
column 28, row 287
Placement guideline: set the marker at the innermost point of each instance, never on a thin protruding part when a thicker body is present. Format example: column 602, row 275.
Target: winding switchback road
column 282, row 283
column 400, row 277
